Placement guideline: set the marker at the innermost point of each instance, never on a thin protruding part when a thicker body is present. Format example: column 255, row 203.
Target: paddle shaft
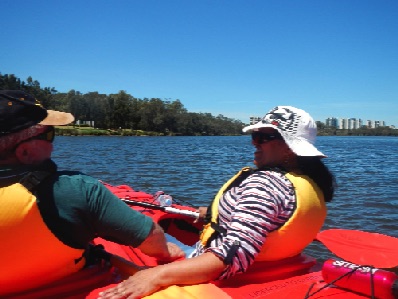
column 172, row 210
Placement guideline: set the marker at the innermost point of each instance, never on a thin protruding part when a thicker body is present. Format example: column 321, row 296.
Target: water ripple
column 193, row 168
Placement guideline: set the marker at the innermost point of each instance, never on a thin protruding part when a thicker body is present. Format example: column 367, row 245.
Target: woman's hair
column 319, row 173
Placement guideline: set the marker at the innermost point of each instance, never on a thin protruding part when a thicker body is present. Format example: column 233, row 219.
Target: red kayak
column 297, row 277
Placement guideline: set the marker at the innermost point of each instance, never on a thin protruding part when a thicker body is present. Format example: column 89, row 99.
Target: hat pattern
column 283, row 118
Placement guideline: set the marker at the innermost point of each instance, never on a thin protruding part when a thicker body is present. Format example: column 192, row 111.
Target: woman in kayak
column 265, row 214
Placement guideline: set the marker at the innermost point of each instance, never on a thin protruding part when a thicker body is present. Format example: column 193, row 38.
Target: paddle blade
column 363, row 248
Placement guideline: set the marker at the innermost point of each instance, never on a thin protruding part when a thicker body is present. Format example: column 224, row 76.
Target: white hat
column 296, row 126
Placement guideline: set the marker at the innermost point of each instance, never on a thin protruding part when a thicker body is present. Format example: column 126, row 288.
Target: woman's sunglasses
column 261, row 137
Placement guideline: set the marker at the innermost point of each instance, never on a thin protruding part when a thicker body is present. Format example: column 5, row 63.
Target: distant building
column 343, row 123
column 370, row 124
column 352, row 123
column 85, row 122
column 381, row 123
column 254, row 120
column 332, row 122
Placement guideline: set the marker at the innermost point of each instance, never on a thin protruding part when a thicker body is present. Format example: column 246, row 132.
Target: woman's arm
column 196, row 270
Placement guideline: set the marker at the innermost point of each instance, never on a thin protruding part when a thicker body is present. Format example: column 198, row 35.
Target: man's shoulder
column 70, row 173
column 74, row 178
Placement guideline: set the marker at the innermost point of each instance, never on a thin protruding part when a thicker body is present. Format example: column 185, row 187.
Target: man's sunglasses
column 261, row 137
column 48, row 135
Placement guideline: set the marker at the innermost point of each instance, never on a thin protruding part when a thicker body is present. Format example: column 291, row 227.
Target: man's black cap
column 20, row 110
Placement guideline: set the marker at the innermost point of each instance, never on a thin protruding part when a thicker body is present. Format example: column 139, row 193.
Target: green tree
column 173, row 110
column 124, row 111
column 121, row 110
column 152, row 115
column 76, row 104
column 10, row 82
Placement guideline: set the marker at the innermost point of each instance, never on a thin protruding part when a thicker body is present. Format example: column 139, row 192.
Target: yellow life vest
column 30, row 255
column 212, row 228
column 299, row 231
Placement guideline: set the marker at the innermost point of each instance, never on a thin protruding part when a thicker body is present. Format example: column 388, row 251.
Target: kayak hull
column 295, row 277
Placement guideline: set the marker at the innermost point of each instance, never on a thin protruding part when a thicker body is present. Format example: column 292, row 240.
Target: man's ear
column 22, row 152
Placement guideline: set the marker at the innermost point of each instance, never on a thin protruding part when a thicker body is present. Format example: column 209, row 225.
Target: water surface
column 194, row 168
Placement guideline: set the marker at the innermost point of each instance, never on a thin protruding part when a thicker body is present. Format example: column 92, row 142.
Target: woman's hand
column 139, row 285
column 203, row 268
column 202, row 214
column 143, row 282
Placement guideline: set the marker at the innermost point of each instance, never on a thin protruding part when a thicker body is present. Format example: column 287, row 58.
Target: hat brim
column 258, row 125
column 57, row 118
column 299, row 146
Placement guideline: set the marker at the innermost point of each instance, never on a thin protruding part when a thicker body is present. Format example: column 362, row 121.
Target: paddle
column 172, row 210
column 360, row 247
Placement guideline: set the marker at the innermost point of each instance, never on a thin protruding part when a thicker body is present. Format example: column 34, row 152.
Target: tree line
column 152, row 115
column 123, row 111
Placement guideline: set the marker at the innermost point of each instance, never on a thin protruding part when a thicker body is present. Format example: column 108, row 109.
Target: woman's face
column 269, row 153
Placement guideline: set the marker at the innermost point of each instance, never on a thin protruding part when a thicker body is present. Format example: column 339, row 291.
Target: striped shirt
column 262, row 203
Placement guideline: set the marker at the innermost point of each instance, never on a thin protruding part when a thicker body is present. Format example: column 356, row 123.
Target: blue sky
column 332, row 58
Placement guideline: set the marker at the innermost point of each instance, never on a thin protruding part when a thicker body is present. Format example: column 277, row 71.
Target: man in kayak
column 49, row 217
column 270, row 213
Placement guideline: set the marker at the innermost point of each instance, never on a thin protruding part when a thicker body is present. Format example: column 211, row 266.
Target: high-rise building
column 332, row 122
column 254, row 119
column 380, row 123
column 343, row 123
column 352, row 123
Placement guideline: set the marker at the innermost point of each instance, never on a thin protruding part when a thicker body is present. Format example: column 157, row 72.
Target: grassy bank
column 89, row 131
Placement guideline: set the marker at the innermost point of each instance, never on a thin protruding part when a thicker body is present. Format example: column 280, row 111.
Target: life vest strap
column 36, row 177
column 231, row 252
